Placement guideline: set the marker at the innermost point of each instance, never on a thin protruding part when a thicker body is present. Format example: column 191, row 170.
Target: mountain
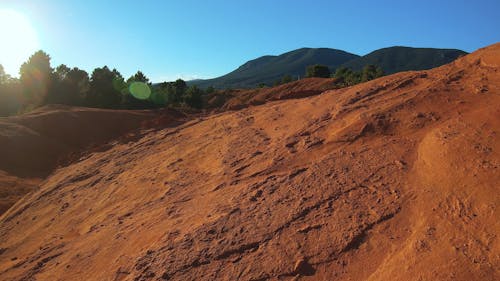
column 393, row 179
column 268, row 69
column 397, row 59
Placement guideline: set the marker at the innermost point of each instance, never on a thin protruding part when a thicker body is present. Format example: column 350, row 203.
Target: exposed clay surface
column 394, row 179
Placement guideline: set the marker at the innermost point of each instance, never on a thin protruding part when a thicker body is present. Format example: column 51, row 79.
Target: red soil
column 238, row 99
column 32, row 145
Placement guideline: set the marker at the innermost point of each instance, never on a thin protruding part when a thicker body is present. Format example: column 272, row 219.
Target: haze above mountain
column 268, row 69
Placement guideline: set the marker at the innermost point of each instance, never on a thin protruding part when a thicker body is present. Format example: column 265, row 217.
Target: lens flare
column 140, row 90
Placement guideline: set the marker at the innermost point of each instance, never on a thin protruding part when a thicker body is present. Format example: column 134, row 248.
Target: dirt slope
column 13, row 188
column 296, row 89
column 33, row 144
column 394, row 179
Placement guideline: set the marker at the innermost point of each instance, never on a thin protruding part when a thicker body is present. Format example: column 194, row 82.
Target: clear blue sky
column 208, row 38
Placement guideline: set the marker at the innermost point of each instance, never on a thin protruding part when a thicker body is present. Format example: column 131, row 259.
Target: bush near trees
column 177, row 93
column 348, row 77
column 194, row 97
column 318, row 70
column 286, row 79
column 210, row 90
column 371, row 72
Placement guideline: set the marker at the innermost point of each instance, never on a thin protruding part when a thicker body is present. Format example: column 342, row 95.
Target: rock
column 165, row 276
column 302, row 267
column 401, row 164
column 420, row 115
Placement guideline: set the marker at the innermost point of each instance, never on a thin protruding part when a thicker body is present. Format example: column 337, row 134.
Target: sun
column 18, row 40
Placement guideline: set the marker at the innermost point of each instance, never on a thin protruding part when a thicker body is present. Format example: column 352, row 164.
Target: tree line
column 344, row 76
column 40, row 84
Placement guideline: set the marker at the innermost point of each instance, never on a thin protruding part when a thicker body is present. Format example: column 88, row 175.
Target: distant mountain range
column 268, row 69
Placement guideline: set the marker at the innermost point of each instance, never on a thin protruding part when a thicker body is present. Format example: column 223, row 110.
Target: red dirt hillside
column 33, row 144
column 241, row 98
column 394, row 179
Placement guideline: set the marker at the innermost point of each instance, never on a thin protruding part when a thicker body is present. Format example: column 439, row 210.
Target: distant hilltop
column 268, row 69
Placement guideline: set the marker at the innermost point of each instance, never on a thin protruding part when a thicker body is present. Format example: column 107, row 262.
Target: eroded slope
column 32, row 145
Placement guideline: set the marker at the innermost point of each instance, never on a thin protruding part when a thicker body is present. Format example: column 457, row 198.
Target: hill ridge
column 269, row 68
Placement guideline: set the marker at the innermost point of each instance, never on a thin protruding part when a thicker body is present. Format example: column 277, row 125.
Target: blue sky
column 208, row 38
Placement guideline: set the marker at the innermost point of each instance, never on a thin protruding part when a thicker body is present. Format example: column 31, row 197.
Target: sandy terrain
column 394, row 179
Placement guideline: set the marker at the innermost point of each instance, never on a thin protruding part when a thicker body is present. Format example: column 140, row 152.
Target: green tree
column 61, row 72
column 106, row 88
column 210, row 90
column 286, row 79
column 194, row 97
column 138, row 77
column 79, row 78
column 159, row 98
column 368, row 73
column 348, row 77
column 10, row 94
column 353, row 78
column 35, row 77
column 318, row 70
column 136, row 96
column 4, row 77
column 179, row 89
column 69, row 86
column 371, row 72
column 161, row 93
column 345, row 76
column 341, row 72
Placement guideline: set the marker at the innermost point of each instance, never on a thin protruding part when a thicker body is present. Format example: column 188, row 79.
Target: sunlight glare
column 19, row 40
column 140, row 90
